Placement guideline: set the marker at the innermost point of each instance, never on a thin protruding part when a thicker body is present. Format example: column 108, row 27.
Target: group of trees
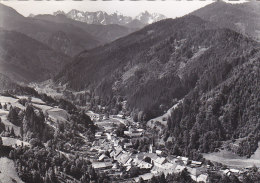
column 4, row 150
column 248, row 146
column 14, row 116
column 44, row 165
column 34, row 126
column 3, row 106
column 106, row 106
column 229, row 111
column 120, row 130
column 32, row 120
column 66, row 135
column 2, row 126
column 141, row 144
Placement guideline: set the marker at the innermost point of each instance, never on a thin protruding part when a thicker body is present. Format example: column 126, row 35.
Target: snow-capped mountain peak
column 101, row 17
column 148, row 18
column 59, row 12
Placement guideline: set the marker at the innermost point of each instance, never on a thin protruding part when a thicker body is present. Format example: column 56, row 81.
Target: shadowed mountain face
column 163, row 61
column 104, row 33
column 243, row 18
column 47, row 32
column 25, row 59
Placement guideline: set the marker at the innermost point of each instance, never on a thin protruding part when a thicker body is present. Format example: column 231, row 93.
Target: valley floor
column 230, row 159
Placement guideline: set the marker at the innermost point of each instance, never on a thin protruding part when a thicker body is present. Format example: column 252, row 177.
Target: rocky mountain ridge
column 101, row 17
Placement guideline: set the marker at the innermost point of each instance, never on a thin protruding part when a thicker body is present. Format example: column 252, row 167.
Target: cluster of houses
column 134, row 133
column 113, row 155
column 110, row 153
column 93, row 116
column 172, row 164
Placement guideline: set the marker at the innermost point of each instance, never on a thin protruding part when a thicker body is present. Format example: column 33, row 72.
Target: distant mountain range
column 62, row 37
column 103, row 18
column 45, row 42
column 61, row 33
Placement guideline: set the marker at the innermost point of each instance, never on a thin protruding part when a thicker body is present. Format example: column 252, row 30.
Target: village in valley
column 117, row 155
column 120, row 148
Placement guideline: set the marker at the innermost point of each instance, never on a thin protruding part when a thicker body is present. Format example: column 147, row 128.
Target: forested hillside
column 227, row 111
column 241, row 17
column 162, row 62
column 49, row 143
column 6, row 83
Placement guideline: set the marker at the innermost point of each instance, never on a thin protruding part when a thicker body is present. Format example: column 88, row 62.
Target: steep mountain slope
column 163, row 61
column 25, row 59
column 229, row 111
column 105, row 33
column 62, row 37
column 103, row 18
column 243, row 18
column 135, row 24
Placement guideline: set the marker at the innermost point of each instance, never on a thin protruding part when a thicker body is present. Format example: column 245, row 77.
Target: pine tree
column 1, row 141
column 12, row 132
column 141, row 180
column 13, row 116
column 21, row 132
column 5, row 106
column 11, row 154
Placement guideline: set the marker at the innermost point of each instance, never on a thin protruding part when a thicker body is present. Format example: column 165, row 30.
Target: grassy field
column 33, row 99
column 14, row 102
column 8, row 141
column 8, row 173
column 230, row 159
column 162, row 119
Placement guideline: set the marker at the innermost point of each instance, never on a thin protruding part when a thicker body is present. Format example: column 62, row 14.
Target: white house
column 158, row 152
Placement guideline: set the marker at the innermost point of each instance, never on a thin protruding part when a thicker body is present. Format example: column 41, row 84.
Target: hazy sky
column 169, row 8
